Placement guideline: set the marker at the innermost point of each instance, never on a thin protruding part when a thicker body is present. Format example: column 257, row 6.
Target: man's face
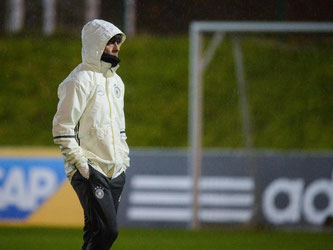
column 113, row 47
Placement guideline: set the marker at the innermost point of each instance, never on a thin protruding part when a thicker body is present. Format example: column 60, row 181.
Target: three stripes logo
column 169, row 198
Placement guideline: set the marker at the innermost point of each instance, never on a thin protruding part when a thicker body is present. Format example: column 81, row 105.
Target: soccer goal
column 201, row 54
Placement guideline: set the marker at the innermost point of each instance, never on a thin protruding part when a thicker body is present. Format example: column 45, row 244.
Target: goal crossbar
column 268, row 27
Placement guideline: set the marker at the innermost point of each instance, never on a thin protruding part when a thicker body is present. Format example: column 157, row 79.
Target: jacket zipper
column 114, row 146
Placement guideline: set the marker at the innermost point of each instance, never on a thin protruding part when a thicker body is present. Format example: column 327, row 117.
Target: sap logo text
column 301, row 201
column 25, row 190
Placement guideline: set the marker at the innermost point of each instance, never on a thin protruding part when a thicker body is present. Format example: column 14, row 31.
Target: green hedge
column 289, row 86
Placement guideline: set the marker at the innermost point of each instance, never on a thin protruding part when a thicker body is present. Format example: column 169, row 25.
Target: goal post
column 198, row 63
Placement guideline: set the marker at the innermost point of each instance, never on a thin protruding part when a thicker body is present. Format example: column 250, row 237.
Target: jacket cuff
column 82, row 165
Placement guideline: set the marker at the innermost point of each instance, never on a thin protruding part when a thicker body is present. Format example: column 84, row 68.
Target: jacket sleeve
column 125, row 149
column 72, row 103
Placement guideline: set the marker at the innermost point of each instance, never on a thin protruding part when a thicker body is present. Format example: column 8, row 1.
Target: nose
column 116, row 47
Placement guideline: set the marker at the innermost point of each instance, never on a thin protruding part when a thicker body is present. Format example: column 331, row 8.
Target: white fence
column 16, row 17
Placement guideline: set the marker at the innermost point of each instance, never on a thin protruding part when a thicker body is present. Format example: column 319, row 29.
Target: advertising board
column 236, row 187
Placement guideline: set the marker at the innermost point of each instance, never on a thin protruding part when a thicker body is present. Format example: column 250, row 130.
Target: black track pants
column 99, row 197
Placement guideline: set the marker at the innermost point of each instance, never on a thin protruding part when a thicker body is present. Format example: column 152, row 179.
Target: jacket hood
column 95, row 35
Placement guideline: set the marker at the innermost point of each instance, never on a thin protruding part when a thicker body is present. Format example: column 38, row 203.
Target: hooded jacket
column 89, row 125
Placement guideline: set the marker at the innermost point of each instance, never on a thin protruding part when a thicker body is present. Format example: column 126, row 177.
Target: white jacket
column 89, row 125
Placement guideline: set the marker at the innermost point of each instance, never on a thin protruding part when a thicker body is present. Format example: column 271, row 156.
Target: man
column 89, row 127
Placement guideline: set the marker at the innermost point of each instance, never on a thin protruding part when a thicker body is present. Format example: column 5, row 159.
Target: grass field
column 289, row 84
column 19, row 238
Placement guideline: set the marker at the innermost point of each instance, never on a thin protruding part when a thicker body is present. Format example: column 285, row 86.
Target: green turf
column 289, row 84
column 14, row 238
